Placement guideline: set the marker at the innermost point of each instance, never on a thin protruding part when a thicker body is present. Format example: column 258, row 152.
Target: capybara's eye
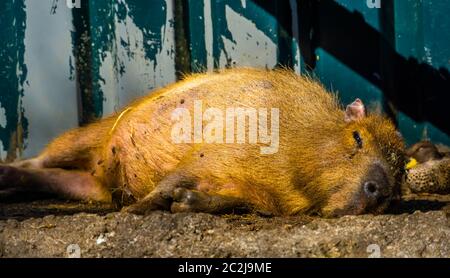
column 358, row 139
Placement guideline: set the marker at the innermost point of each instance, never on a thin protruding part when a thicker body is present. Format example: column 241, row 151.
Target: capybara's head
column 364, row 165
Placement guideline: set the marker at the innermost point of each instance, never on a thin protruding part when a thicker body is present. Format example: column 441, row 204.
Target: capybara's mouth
column 355, row 210
column 360, row 205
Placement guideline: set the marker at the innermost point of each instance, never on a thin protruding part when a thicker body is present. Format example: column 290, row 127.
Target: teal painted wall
column 423, row 34
column 62, row 67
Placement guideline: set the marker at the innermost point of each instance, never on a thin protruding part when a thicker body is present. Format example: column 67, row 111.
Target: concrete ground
column 418, row 227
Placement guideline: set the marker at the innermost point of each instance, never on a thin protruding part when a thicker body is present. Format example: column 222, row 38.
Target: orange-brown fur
column 317, row 167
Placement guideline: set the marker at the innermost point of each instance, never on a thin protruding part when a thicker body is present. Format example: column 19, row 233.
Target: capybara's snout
column 373, row 193
column 376, row 191
column 376, row 186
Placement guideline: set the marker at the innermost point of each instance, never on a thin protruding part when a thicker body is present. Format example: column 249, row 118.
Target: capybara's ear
column 355, row 111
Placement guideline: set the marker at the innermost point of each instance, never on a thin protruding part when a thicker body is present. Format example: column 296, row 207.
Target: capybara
column 309, row 157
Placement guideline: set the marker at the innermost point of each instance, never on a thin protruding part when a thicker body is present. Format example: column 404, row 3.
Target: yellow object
column 411, row 164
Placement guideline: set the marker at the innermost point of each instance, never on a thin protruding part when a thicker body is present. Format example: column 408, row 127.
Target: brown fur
column 317, row 168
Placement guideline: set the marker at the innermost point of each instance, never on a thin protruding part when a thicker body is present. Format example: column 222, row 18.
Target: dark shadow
column 417, row 89
column 18, row 196
column 21, row 206
column 415, row 205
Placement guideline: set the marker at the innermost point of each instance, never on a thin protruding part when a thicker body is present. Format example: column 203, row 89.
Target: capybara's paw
column 137, row 208
column 158, row 200
column 185, row 200
column 133, row 209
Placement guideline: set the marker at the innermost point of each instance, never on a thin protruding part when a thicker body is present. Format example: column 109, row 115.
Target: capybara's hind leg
column 74, row 149
column 185, row 200
column 71, row 184
column 35, row 162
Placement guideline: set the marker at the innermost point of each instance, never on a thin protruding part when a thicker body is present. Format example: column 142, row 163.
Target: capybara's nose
column 377, row 187
column 376, row 192
column 373, row 190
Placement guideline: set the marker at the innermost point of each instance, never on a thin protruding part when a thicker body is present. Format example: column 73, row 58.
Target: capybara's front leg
column 177, row 193
column 162, row 196
column 71, row 184
column 186, row 200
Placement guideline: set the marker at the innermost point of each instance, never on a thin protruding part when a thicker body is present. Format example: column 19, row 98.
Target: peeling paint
column 49, row 95
column 3, row 154
column 141, row 57
column 13, row 75
column 109, row 86
column 244, row 3
column 208, row 35
column 243, row 49
column 295, row 36
column 103, row 42
column 128, row 48
column 428, row 58
column 2, row 117
column 150, row 27
column 71, row 68
column 54, row 7
column 132, row 54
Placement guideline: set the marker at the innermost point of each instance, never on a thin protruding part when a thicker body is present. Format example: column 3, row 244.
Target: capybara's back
column 240, row 138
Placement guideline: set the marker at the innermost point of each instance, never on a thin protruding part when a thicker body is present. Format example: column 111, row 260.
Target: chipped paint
column 131, row 55
column 152, row 62
column 295, row 36
column 132, row 51
column 427, row 57
column 150, row 27
column 49, row 95
column 103, row 43
column 3, row 153
column 13, row 75
column 248, row 46
column 140, row 56
column 2, row 117
column 208, row 35
column 244, row 3
column 109, row 85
